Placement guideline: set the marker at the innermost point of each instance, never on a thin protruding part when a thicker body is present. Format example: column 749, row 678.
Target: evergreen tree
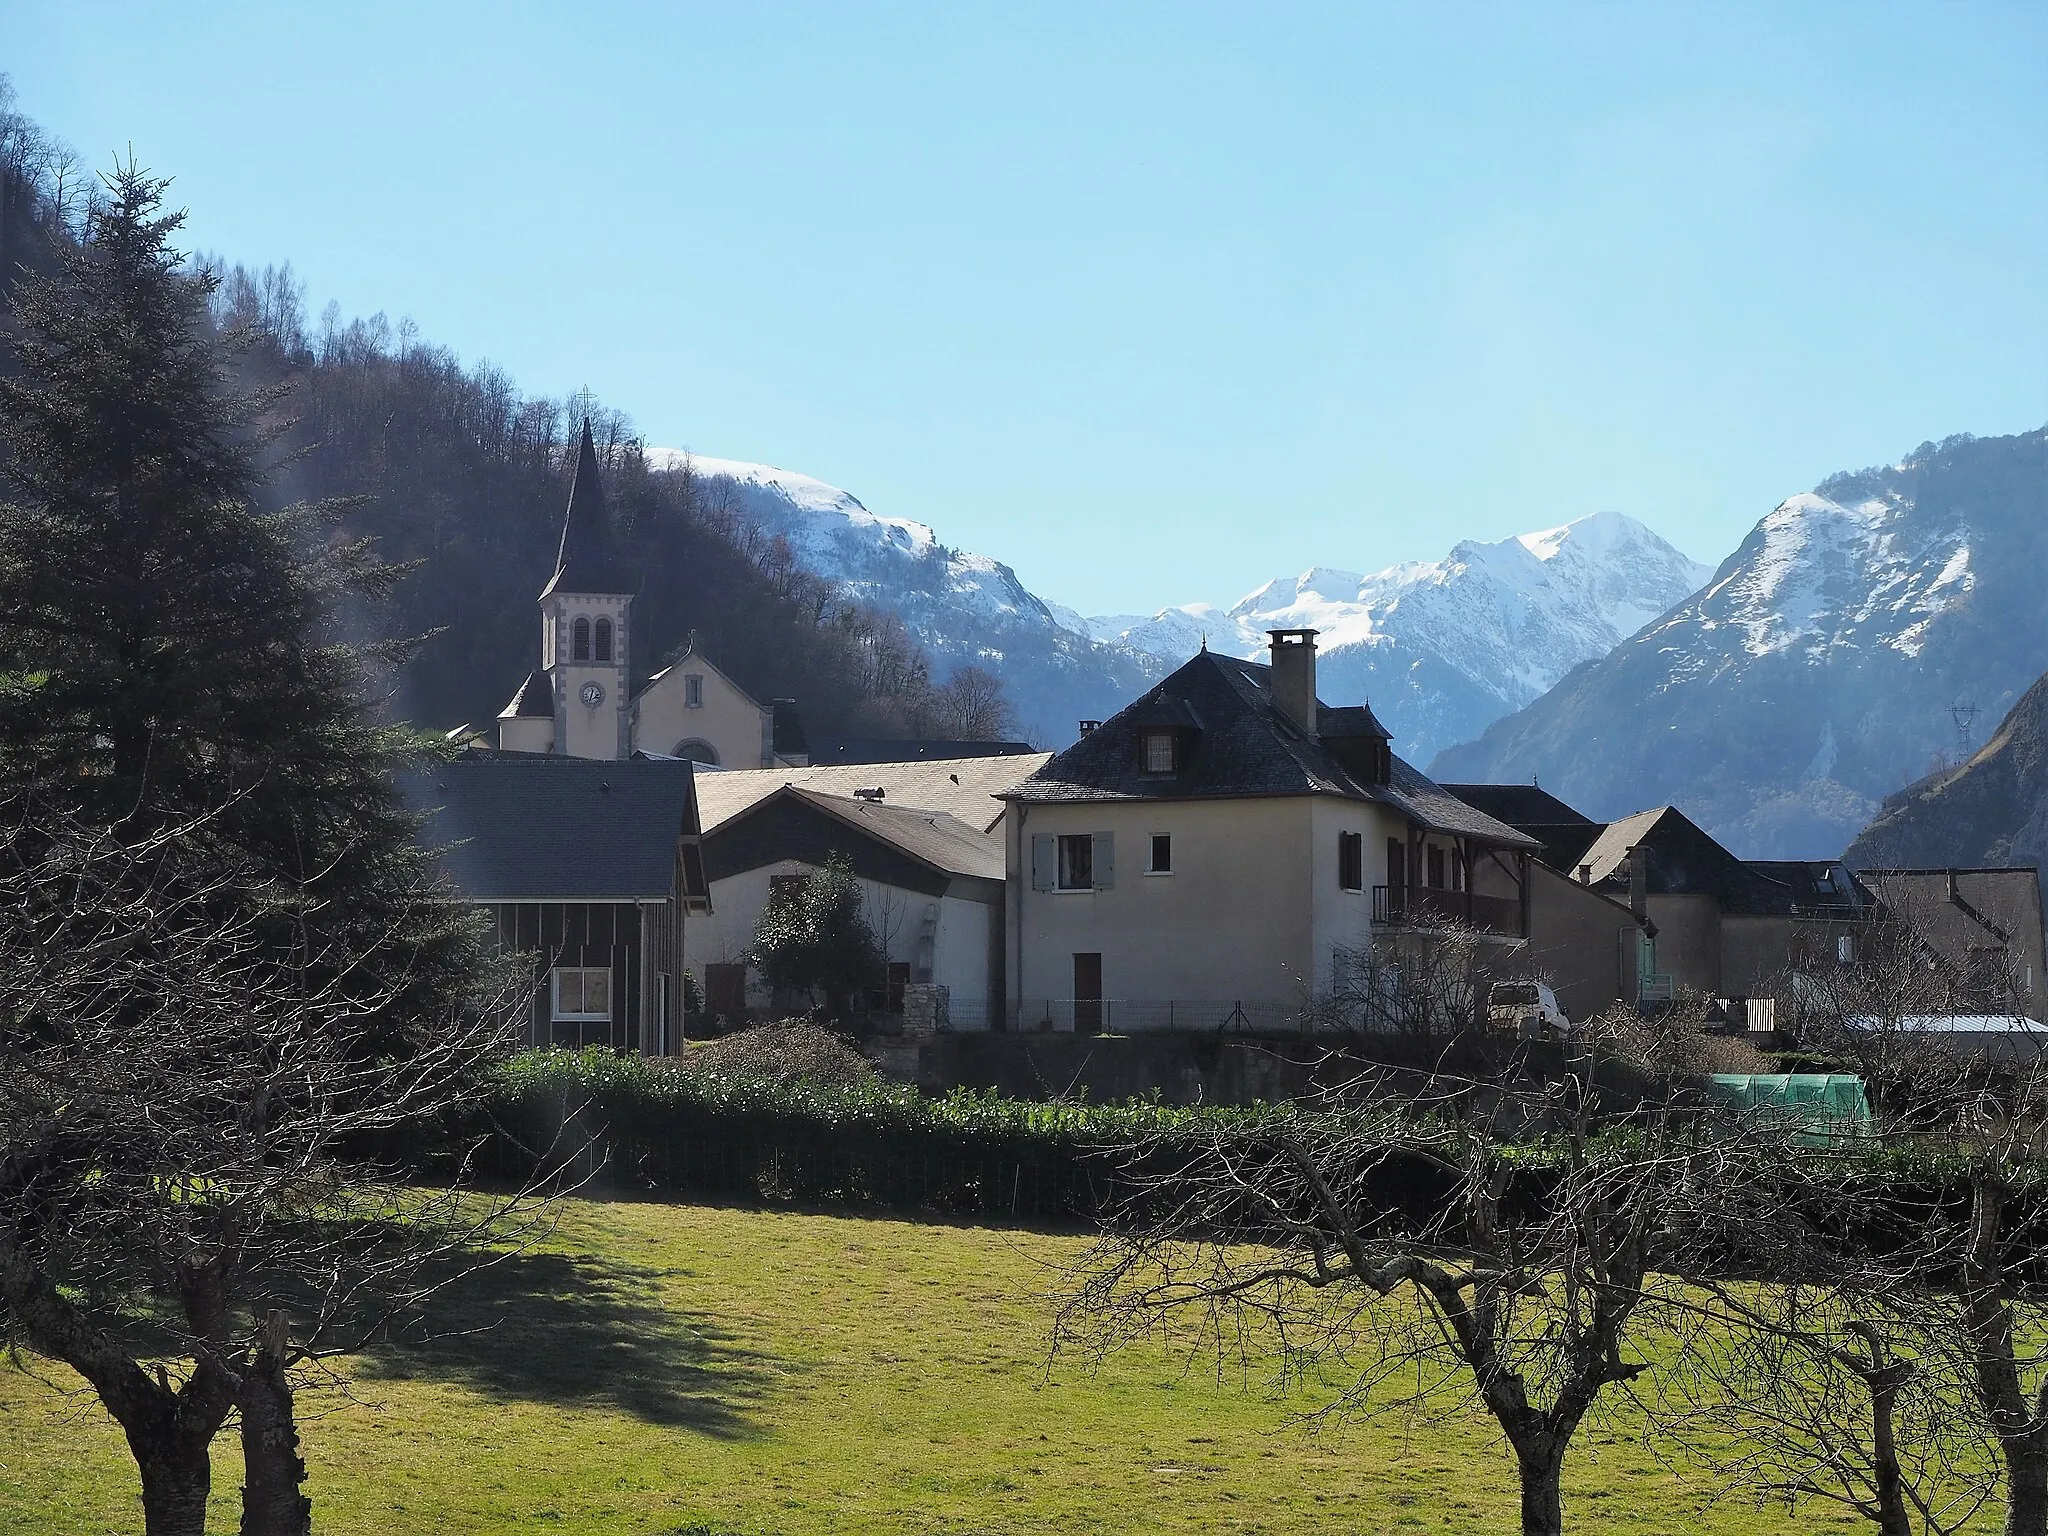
column 168, row 649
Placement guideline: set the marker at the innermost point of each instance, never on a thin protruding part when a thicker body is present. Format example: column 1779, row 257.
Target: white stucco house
column 925, row 845
column 1217, row 850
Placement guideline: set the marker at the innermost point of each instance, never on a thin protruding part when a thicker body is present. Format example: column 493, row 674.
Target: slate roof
column 534, row 700
column 943, row 842
column 1684, row 861
column 829, row 751
column 586, row 562
column 1564, row 833
column 528, row 827
column 1243, row 747
column 1819, row 887
column 967, row 789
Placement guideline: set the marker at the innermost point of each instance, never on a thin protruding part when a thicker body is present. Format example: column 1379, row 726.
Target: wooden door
column 1088, row 994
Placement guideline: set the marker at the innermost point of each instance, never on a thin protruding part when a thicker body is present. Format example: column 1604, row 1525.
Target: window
column 1159, row 752
column 697, row 750
column 1162, row 855
column 1351, row 861
column 582, row 993
column 604, row 639
column 693, row 691
column 1077, row 862
column 1845, row 949
column 579, row 640
column 1436, row 868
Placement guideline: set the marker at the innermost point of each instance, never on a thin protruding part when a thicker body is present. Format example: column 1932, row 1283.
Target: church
column 582, row 702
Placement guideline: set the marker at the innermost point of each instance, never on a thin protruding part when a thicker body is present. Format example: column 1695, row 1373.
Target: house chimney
column 1294, row 675
column 1639, row 881
column 1088, row 727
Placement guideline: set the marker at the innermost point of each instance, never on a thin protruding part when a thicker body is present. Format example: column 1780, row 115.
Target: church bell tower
column 586, row 630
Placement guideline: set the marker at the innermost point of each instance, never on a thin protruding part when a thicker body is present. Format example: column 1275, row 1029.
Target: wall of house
column 599, row 935
column 1756, row 952
column 1341, row 920
column 1689, row 941
column 1577, row 939
column 965, row 916
column 527, row 733
column 1233, row 921
column 737, row 729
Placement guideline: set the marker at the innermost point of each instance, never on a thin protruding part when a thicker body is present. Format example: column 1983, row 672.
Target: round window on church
column 697, row 752
column 592, row 695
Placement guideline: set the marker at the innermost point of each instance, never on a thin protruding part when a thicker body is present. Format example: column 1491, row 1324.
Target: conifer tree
column 168, row 649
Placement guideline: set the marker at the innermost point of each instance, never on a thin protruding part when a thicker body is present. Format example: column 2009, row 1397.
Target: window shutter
column 1045, row 861
column 1105, row 860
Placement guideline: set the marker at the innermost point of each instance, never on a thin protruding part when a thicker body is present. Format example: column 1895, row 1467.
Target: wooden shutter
column 1105, row 860
column 1045, row 861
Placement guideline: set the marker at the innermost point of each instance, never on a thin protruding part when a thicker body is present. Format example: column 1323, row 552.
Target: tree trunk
column 1890, row 1483
column 177, row 1479
column 273, row 1500
column 2026, row 1483
column 1539, row 1458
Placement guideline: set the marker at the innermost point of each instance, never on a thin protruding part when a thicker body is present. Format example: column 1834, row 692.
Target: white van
column 1526, row 1008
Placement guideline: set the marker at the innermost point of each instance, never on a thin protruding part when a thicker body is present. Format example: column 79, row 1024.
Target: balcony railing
column 1422, row 906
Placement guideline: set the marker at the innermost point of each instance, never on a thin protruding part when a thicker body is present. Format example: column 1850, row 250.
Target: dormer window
column 579, row 640
column 1160, row 752
column 604, row 639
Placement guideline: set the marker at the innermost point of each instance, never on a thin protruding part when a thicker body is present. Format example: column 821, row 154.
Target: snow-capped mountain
column 1816, row 674
column 1443, row 648
column 965, row 608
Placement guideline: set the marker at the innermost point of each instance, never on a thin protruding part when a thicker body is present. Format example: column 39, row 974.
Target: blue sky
column 1154, row 303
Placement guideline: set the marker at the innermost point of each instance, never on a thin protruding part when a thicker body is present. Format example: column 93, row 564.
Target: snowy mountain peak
column 1446, row 646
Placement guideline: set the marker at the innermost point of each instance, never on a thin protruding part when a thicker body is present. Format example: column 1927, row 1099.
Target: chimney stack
column 1639, row 881
column 1294, row 675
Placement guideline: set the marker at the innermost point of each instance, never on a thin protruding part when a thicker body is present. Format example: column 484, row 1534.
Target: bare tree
column 971, row 705
column 1411, row 982
column 1432, row 1239
column 188, row 1126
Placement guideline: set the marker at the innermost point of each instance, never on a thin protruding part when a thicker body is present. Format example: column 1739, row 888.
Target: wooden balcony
column 1422, row 906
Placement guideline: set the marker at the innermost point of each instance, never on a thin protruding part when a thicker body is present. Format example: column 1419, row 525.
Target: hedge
column 659, row 1125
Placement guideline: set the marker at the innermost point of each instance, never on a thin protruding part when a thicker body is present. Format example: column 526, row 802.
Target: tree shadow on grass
column 578, row 1331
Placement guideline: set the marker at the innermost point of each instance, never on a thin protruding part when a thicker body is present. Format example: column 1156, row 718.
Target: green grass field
column 667, row 1369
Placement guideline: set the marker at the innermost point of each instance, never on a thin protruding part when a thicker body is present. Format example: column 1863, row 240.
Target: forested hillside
column 455, row 472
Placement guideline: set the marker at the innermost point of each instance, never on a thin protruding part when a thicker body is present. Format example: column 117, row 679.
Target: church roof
column 586, row 562
column 550, row 828
column 534, row 700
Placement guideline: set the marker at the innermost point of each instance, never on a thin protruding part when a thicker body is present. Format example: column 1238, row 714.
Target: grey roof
column 586, row 562
column 546, row 828
column 1684, row 860
column 829, row 751
column 931, row 837
column 1244, row 747
column 534, row 700
column 968, row 788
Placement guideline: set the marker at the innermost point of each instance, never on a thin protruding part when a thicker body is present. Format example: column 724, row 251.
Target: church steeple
column 585, row 562
column 585, row 634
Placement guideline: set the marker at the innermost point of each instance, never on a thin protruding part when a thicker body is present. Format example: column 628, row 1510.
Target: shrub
column 791, row 1051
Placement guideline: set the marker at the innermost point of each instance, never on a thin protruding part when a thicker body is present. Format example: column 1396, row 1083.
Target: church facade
column 582, row 702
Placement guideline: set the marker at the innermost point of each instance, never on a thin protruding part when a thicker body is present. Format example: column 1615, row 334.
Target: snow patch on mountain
column 1446, row 646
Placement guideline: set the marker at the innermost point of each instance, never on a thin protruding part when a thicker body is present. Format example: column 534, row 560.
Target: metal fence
column 1134, row 1016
